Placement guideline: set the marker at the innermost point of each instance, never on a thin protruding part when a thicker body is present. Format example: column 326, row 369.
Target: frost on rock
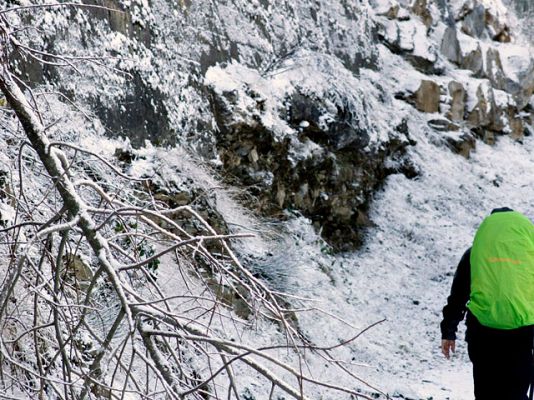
column 313, row 126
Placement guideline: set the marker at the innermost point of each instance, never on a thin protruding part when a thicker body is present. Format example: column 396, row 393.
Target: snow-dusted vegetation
column 250, row 199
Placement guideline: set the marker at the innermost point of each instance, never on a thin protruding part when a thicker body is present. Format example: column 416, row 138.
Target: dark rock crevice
column 328, row 173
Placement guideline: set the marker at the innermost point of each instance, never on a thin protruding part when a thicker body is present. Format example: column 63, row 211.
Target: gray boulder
column 483, row 114
column 474, row 61
column 450, row 46
column 494, row 69
column 474, row 23
column 526, row 87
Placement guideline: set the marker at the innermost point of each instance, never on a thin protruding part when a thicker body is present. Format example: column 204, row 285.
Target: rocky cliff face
column 295, row 102
column 303, row 139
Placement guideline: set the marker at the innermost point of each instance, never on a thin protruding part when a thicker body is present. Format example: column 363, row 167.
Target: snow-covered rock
column 474, row 61
column 474, row 22
column 313, row 148
column 494, row 69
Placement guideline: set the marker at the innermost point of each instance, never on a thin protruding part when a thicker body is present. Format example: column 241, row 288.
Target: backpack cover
column 502, row 271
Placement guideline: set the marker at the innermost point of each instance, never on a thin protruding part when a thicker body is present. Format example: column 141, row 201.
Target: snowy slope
column 403, row 273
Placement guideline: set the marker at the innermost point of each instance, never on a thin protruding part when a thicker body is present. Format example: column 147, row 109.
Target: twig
column 55, row 5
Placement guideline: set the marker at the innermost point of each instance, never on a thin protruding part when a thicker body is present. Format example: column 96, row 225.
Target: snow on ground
column 404, row 271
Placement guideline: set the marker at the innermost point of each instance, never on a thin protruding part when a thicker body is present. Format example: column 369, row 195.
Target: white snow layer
column 318, row 76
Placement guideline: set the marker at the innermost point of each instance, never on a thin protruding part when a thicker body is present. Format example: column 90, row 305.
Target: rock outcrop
column 427, row 97
column 473, row 22
column 409, row 39
column 458, row 101
column 488, row 102
column 481, row 21
column 494, row 69
column 474, row 61
column 308, row 152
column 450, row 46
column 420, row 8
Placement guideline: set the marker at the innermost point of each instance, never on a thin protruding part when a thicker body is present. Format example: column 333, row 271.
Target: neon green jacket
column 502, row 271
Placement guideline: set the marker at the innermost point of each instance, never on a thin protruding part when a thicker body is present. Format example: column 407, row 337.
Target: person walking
column 494, row 286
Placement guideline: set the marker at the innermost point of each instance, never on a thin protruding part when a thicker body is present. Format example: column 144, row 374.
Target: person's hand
column 447, row 346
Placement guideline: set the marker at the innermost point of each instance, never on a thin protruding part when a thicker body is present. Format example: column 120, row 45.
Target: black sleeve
column 455, row 309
